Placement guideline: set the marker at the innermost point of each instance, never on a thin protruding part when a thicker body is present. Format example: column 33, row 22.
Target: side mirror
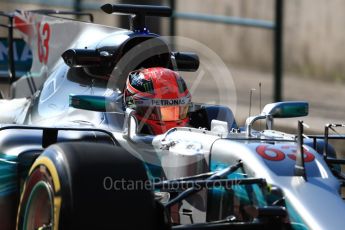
column 287, row 109
column 86, row 58
column 96, row 103
column 186, row 61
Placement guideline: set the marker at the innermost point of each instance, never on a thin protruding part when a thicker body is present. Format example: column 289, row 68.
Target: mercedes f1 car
column 72, row 155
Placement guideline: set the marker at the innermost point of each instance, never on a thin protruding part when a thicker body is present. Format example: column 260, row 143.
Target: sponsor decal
column 37, row 31
column 21, row 53
column 162, row 102
column 168, row 102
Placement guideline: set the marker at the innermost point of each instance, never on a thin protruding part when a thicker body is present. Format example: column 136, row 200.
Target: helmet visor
column 163, row 113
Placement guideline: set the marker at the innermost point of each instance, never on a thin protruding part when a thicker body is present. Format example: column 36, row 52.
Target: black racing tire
column 72, row 180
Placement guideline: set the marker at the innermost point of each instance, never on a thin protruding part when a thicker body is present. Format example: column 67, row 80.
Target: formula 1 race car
column 72, row 155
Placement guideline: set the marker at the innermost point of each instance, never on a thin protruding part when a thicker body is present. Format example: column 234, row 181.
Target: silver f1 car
column 71, row 156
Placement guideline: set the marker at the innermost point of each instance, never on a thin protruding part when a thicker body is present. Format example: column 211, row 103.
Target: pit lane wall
column 314, row 41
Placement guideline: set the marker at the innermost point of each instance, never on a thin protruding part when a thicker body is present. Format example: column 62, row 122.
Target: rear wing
column 7, row 50
column 16, row 56
column 47, row 37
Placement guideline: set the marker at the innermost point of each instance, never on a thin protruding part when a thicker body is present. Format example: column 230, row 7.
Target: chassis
column 70, row 153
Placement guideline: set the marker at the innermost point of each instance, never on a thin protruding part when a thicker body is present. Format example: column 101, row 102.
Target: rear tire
column 77, row 183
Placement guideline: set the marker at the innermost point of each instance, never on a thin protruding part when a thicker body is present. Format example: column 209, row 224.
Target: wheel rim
column 39, row 210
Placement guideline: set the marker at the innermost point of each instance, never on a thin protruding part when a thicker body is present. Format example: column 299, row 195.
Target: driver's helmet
column 160, row 99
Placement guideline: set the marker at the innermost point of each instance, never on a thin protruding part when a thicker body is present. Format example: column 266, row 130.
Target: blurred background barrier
column 276, row 26
column 313, row 33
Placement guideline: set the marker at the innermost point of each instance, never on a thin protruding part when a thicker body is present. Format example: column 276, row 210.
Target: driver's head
column 160, row 98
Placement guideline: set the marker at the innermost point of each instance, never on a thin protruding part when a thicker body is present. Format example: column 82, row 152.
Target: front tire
column 40, row 208
column 65, row 190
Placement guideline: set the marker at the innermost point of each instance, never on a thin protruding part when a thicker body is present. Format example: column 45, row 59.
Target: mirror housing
column 186, row 61
column 95, row 103
column 286, row 109
column 86, row 57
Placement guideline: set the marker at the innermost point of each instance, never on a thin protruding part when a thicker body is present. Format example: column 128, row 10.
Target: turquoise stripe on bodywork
column 8, row 174
column 222, row 202
column 252, row 194
column 248, row 194
column 153, row 171
column 297, row 222
column 8, row 157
